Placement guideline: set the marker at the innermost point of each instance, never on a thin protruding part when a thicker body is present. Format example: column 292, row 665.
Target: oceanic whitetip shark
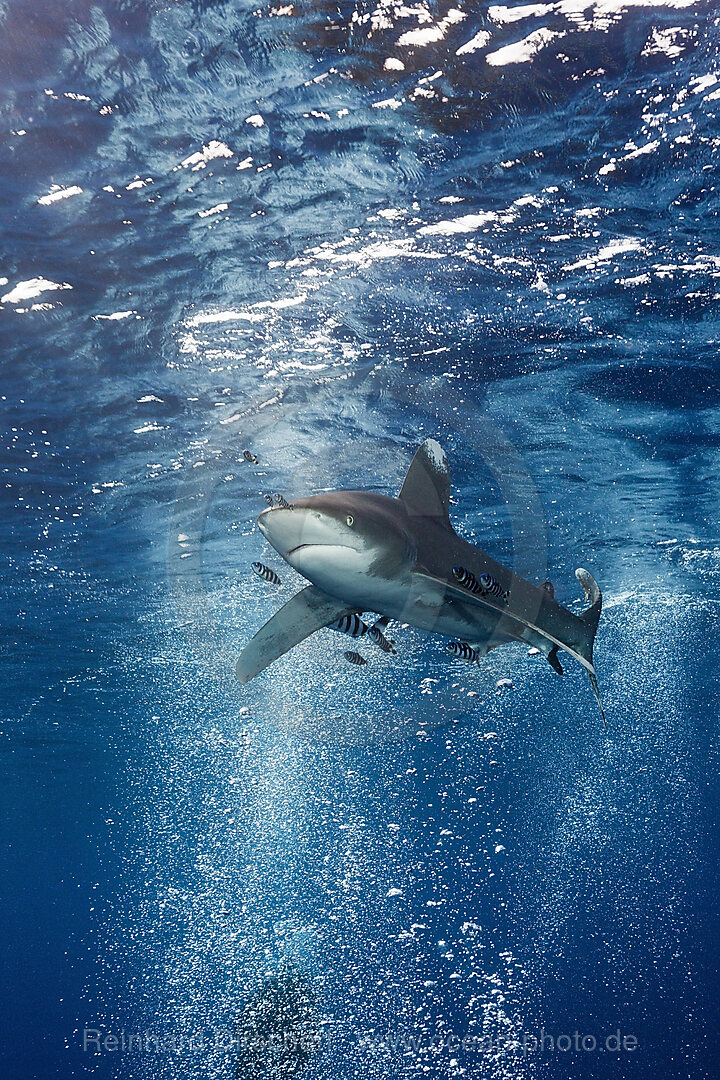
column 395, row 556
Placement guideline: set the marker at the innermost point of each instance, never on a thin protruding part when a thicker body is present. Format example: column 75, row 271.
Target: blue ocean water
column 324, row 233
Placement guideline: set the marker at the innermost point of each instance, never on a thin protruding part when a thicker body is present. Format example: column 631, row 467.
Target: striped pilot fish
column 282, row 502
column 354, row 658
column 486, row 585
column 349, row 624
column 462, row 651
column 266, row 573
column 492, row 587
column 467, row 580
column 250, row 457
column 376, row 633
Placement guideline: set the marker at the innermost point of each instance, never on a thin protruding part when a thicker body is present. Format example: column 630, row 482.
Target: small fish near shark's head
column 348, row 536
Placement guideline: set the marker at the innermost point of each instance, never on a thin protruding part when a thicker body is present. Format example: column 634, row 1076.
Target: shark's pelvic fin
column 307, row 612
column 426, row 488
column 554, row 661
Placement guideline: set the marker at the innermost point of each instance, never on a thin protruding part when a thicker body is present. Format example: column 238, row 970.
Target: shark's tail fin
column 590, row 617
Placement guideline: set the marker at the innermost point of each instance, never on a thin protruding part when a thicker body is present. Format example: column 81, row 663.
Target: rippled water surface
column 323, row 233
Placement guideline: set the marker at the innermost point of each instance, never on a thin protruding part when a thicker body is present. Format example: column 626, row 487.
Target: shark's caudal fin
column 426, row 488
column 590, row 617
column 307, row 612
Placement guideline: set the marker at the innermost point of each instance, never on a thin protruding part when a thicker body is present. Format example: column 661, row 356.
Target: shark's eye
column 350, row 520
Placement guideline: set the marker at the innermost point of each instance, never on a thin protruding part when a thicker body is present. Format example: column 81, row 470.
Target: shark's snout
column 281, row 528
column 289, row 530
column 262, row 521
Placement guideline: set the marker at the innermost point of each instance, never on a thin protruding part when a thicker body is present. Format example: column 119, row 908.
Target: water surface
column 326, row 233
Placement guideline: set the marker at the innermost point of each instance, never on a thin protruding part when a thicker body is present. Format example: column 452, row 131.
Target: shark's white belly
column 347, row 575
column 407, row 597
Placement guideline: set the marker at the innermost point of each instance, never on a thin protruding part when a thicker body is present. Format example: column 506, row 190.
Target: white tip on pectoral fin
column 591, row 617
column 307, row 612
column 596, row 691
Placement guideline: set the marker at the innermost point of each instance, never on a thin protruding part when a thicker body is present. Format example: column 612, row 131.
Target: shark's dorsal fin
column 426, row 488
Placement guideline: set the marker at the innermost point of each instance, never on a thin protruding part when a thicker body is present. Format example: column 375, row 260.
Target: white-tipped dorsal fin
column 426, row 488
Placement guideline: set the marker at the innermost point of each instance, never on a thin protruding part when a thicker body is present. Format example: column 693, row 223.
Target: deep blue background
column 469, row 247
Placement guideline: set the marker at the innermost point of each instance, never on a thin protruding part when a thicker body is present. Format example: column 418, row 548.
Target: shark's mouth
column 318, row 547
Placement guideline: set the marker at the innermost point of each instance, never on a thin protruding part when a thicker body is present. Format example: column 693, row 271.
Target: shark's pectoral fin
column 596, row 691
column 307, row 612
column 590, row 618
